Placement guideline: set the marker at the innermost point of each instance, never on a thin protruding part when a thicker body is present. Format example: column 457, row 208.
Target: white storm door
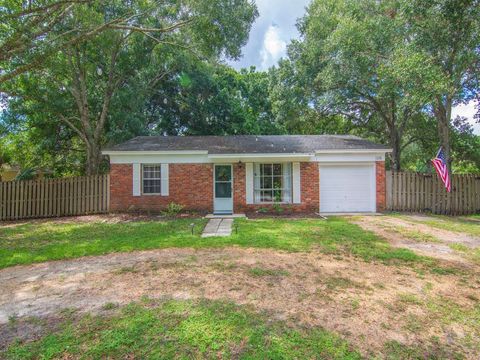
column 222, row 189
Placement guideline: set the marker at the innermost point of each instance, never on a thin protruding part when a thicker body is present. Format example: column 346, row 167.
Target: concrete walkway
column 218, row 227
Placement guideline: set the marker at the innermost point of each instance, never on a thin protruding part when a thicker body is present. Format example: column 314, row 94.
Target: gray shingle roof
column 248, row 144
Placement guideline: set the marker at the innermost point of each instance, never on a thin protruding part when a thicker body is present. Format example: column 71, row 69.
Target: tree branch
column 73, row 127
column 156, row 30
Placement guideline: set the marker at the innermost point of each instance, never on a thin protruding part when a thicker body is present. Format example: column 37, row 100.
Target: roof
column 247, row 144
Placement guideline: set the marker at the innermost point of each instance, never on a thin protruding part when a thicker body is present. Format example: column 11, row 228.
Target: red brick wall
column 381, row 186
column 239, row 188
column 190, row 185
column 309, row 191
column 310, row 186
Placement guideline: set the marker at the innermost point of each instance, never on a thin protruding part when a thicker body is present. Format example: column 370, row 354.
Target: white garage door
column 347, row 188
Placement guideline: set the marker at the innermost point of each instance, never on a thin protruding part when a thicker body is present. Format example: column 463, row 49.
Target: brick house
column 241, row 174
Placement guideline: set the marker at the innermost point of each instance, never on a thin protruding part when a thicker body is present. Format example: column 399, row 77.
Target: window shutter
column 249, row 183
column 137, row 179
column 287, row 178
column 165, row 176
column 296, row 183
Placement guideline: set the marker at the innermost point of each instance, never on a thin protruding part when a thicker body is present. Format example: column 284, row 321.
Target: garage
column 347, row 188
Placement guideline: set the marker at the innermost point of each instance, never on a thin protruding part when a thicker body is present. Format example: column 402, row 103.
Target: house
column 10, row 172
column 242, row 174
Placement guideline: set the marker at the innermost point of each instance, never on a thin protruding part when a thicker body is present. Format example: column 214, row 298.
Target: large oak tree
column 99, row 82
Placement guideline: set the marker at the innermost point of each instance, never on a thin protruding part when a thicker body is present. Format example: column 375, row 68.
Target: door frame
column 231, row 184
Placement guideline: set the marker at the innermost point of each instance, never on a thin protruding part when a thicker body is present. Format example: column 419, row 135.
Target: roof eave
column 352, row 151
column 259, row 155
column 157, row 152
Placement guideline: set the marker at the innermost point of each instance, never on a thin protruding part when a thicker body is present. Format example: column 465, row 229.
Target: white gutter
column 251, row 155
column 258, row 155
column 165, row 152
column 353, row 151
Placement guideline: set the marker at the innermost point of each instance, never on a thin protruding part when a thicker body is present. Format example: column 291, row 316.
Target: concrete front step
column 231, row 216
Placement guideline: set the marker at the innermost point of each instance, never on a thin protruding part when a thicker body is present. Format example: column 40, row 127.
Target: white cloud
column 274, row 47
column 284, row 13
column 468, row 111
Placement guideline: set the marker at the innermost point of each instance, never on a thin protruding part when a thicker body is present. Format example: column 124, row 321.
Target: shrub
column 172, row 210
column 278, row 208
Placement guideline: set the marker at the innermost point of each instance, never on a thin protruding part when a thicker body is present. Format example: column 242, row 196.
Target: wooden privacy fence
column 425, row 192
column 54, row 197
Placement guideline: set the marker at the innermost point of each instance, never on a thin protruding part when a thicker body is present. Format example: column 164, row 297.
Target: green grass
column 183, row 330
column 337, row 282
column 471, row 253
column 37, row 242
column 259, row 272
column 334, row 235
column 434, row 350
column 415, row 235
column 450, row 223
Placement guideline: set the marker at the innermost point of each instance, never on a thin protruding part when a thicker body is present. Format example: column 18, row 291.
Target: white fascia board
column 173, row 158
column 165, row 152
column 261, row 157
column 354, row 151
column 349, row 157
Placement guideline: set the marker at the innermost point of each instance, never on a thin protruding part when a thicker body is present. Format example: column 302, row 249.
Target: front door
column 222, row 191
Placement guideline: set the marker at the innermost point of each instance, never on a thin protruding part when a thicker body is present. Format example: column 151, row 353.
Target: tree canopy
column 389, row 67
column 77, row 75
column 101, row 83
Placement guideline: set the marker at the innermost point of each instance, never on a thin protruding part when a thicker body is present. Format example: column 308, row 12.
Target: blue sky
column 273, row 30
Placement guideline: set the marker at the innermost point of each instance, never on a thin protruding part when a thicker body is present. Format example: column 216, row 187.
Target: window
column 273, row 183
column 151, row 179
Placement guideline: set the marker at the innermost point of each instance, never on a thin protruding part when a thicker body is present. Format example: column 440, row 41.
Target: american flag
column 441, row 167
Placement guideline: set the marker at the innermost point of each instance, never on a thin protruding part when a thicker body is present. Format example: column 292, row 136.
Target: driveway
column 414, row 233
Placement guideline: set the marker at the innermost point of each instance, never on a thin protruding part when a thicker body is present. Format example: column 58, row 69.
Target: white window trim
column 257, row 202
column 160, row 179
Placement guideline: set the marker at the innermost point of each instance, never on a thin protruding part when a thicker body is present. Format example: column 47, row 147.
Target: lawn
column 182, row 330
column 313, row 288
column 38, row 242
column 201, row 329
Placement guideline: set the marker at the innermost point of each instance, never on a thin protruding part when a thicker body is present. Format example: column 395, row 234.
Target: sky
column 275, row 28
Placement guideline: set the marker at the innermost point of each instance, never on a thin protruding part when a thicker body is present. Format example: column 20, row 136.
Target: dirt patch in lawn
column 449, row 237
column 370, row 304
column 421, row 238
column 105, row 218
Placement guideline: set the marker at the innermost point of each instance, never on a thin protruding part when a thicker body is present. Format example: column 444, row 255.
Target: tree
column 77, row 87
column 347, row 60
column 201, row 98
column 448, row 33
column 292, row 104
column 34, row 30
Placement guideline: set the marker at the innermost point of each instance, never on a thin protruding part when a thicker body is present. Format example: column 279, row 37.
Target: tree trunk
column 395, row 157
column 94, row 159
column 390, row 117
column 396, row 151
column 442, row 112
